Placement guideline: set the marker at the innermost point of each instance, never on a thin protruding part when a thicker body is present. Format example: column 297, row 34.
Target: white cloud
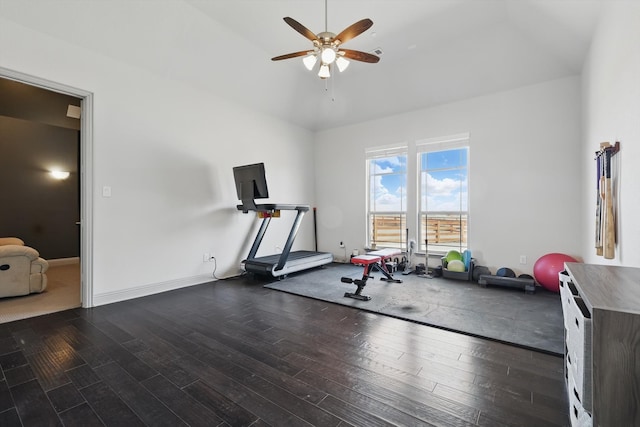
column 447, row 204
column 386, row 200
column 379, row 169
column 443, row 187
column 445, row 194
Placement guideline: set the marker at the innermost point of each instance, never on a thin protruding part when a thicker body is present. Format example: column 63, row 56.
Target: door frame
column 85, row 173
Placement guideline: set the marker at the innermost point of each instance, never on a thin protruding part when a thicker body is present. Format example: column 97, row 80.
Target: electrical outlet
column 341, row 244
column 205, row 257
column 523, row 259
column 212, row 257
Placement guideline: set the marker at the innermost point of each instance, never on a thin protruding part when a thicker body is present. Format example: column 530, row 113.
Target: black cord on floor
column 215, row 267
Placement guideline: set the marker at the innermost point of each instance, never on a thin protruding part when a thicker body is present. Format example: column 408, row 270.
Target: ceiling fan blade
column 356, row 55
column 354, row 30
column 290, row 55
column 301, row 28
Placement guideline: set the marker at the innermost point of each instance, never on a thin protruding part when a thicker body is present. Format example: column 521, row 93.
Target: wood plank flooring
column 232, row 353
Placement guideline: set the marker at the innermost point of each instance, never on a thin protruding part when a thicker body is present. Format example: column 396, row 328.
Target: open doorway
column 53, row 121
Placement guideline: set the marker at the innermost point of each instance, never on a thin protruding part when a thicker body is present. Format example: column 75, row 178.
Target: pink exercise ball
column 546, row 270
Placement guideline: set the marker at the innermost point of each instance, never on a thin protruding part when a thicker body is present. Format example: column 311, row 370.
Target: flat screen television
column 251, row 183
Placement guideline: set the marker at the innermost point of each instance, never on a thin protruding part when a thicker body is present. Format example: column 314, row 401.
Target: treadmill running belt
column 297, row 261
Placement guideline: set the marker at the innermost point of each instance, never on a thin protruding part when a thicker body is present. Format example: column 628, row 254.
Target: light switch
column 106, row 191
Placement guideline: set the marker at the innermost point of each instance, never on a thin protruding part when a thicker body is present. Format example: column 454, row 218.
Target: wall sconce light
column 58, row 174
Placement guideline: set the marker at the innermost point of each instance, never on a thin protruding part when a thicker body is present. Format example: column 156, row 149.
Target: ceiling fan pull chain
column 333, row 92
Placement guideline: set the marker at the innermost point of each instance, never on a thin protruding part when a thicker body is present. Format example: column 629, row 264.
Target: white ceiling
column 434, row 51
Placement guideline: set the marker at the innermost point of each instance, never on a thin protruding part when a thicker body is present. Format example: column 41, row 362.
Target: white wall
column 525, row 182
column 167, row 151
column 611, row 86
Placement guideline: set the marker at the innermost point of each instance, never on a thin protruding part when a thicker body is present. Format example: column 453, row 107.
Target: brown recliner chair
column 22, row 271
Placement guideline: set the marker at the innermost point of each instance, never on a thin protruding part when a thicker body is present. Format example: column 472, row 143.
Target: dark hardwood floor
column 232, row 353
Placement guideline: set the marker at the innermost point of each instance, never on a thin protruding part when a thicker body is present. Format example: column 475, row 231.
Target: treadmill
column 288, row 261
column 251, row 184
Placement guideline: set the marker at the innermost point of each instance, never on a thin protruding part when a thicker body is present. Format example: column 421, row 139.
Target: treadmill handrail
column 247, row 206
column 258, row 240
column 270, row 207
column 289, row 243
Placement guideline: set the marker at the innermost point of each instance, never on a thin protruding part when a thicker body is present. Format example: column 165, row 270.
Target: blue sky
column 446, row 183
column 390, row 188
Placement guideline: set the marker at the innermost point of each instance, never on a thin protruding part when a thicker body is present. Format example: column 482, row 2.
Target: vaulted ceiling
column 434, row 51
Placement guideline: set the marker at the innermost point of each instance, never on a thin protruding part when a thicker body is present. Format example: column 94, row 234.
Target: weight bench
column 375, row 260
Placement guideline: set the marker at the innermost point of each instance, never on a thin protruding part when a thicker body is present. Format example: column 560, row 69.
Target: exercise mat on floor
column 503, row 314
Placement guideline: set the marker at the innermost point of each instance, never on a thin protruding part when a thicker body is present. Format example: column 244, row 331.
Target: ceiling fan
column 327, row 46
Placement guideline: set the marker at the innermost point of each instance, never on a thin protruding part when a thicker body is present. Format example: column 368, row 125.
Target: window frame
column 372, row 154
column 453, row 142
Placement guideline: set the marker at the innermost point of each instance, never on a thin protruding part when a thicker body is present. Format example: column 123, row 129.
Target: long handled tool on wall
column 605, row 216
column 599, row 198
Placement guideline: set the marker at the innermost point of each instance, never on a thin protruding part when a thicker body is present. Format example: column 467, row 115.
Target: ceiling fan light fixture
column 309, row 61
column 342, row 63
column 328, row 55
column 327, row 47
column 324, row 72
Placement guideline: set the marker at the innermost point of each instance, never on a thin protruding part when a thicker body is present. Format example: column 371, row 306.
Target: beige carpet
column 62, row 293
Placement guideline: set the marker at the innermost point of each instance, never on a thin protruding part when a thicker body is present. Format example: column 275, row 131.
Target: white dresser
column 601, row 307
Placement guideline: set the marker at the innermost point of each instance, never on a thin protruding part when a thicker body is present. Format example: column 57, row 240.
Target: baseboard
column 146, row 290
column 63, row 261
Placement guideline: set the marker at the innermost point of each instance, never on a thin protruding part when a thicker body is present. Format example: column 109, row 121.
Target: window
column 443, row 188
column 387, row 197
